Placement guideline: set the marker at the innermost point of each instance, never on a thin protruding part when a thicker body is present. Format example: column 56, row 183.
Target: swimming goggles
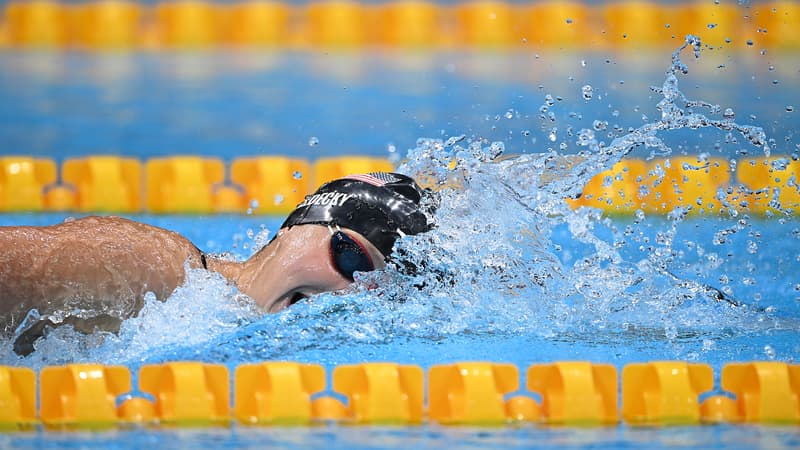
column 349, row 256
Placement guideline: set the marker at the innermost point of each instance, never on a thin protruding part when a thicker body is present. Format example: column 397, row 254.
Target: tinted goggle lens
column 348, row 256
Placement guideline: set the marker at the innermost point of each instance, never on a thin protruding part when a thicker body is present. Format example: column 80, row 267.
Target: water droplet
column 254, row 203
column 711, row 26
column 729, row 114
column 599, row 125
column 727, row 40
column 553, row 135
column 789, row 108
column 509, row 114
column 666, row 25
column 769, row 351
column 771, row 68
column 585, row 137
column 587, row 91
column 297, row 175
column 752, row 247
column 750, row 42
column 652, row 141
column 671, row 331
column 313, row 141
column 278, row 200
column 775, row 82
column 569, row 20
column 495, row 150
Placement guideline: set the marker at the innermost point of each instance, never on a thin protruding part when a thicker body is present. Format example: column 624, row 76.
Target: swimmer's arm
column 98, row 264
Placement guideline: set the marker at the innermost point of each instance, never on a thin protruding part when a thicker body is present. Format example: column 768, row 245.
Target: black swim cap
column 380, row 206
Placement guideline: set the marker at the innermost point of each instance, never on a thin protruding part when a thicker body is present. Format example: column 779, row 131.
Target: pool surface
column 741, row 437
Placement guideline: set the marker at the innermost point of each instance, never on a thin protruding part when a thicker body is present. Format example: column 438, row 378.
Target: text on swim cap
column 328, row 198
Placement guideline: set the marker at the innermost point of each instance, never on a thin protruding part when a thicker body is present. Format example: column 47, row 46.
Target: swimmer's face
column 304, row 263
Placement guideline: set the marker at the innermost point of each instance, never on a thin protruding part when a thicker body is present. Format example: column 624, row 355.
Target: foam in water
column 508, row 257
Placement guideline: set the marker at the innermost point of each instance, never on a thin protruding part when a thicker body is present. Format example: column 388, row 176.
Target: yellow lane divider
column 699, row 185
column 198, row 24
column 275, row 184
column 176, row 184
column 182, row 184
column 22, row 180
column 101, row 183
column 81, row 396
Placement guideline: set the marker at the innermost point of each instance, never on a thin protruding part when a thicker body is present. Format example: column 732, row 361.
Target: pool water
column 741, row 437
column 511, row 274
column 232, row 104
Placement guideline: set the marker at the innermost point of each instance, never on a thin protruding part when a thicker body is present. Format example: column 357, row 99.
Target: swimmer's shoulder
column 138, row 234
column 114, row 225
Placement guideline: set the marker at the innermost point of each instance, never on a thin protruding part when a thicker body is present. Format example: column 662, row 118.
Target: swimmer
column 94, row 272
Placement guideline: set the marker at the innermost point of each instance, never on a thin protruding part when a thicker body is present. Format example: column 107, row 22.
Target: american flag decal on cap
column 374, row 178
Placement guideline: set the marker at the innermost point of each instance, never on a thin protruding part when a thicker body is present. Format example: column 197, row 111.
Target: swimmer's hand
column 24, row 343
column 713, row 292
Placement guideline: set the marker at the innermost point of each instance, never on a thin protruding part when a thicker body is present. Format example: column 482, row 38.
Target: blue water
column 236, row 104
column 510, row 274
column 741, row 437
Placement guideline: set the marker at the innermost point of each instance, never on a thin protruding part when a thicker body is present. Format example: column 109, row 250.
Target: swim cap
column 380, row 206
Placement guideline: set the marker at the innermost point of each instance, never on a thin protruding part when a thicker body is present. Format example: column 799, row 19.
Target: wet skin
column 106, row 265
column 297, row 263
